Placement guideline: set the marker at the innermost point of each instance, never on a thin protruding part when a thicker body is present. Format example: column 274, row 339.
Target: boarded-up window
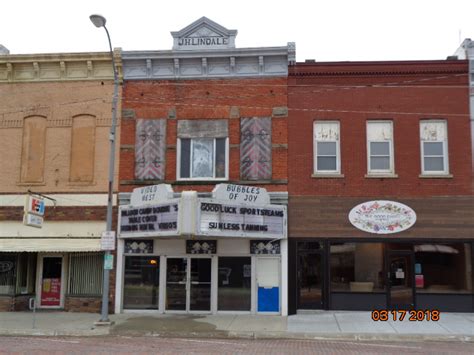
column 150, row 145
column 82, row 149
column 32, row 156
column 256, row 148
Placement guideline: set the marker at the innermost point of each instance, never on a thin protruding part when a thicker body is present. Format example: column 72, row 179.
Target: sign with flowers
column 382, row 217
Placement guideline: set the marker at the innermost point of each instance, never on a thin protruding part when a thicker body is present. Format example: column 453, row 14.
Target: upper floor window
column 203, row 150
column 380, row 147
column 33, row 150
column 434, row 147
column 256, row 148
column 327, row 157
column 82, row 149
column 150, row 149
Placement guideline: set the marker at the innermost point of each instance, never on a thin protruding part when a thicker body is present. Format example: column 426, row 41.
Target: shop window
column 33, row 150
column 85, row 274
column 256, row 148
column 234, row 289
column 443, row 268
column 380, row 147
column 26, row 273
column 203, row 150
column 357, row 267
column 327, row 158
column 8, row 264
column 434, row 147
column 82, row 149
column 141, row 282
column 150, row 149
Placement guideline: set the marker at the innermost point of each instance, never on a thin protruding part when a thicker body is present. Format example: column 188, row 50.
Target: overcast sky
column 331, row 30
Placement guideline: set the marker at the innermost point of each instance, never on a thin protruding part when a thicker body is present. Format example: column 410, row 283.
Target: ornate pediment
column 203, row 34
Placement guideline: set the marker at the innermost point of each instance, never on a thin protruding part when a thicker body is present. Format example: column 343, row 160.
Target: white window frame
column 391, row 169
column 315, row 149
column 178, row 161
column 445, row 170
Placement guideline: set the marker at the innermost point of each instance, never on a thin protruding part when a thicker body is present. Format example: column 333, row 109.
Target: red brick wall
column 84, row 304
column 7, row 303
column 204, row 99
column 352, row 93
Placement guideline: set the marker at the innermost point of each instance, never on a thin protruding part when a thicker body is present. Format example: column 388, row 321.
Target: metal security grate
column 85, row 274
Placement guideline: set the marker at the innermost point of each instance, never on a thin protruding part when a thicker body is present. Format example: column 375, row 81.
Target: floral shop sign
column 382, row 217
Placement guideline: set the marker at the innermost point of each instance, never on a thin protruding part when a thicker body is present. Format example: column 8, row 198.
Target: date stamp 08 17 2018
column 400, row 314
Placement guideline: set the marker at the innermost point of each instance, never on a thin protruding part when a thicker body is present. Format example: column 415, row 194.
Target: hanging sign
column 149, row 220
column 32, row 220
column 34, row 205
column 382, row 217
column 34, row 211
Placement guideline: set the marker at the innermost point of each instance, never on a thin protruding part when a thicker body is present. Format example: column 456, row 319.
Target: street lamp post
column 99, row 21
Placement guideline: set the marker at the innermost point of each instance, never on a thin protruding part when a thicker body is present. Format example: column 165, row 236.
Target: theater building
column 54, row 140
column 380, row 206
column 203, row 176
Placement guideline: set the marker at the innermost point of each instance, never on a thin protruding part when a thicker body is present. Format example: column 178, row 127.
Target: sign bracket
column 43, row 196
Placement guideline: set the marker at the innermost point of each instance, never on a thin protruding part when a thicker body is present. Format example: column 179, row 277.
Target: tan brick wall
column 59, row 103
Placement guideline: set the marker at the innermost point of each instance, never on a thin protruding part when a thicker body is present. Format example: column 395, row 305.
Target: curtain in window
column 256, row 148
column 150, row 149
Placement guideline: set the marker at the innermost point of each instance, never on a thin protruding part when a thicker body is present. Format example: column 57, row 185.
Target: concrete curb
column 53, row 332
column 223, row 334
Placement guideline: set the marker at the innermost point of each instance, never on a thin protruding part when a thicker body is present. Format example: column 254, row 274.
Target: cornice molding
column 205, row 64
column 20, row 68
column 373, row 73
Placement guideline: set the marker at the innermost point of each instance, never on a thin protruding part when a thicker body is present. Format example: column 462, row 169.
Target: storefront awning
column 49, row 244
column 436, row 248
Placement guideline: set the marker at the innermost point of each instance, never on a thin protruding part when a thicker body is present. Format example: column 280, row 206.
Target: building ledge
column 327, row 176
column 436, row 176
column 381, row 176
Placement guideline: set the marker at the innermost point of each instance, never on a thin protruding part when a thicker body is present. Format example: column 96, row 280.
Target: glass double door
column 188, row 284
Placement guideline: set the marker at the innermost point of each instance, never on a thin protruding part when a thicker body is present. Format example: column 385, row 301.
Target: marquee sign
column 151, row 194
column 241, row 194
column 382, row 217
column 149, row 220
column 225, row 219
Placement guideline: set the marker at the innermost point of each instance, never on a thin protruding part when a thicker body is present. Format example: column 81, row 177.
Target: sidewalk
column 323, row 324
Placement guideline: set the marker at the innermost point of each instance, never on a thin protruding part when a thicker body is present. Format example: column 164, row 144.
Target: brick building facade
column 378, row 133
column 54, row 125
column 198, row 115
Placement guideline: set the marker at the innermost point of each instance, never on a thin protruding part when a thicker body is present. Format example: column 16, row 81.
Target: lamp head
column 98, row 20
